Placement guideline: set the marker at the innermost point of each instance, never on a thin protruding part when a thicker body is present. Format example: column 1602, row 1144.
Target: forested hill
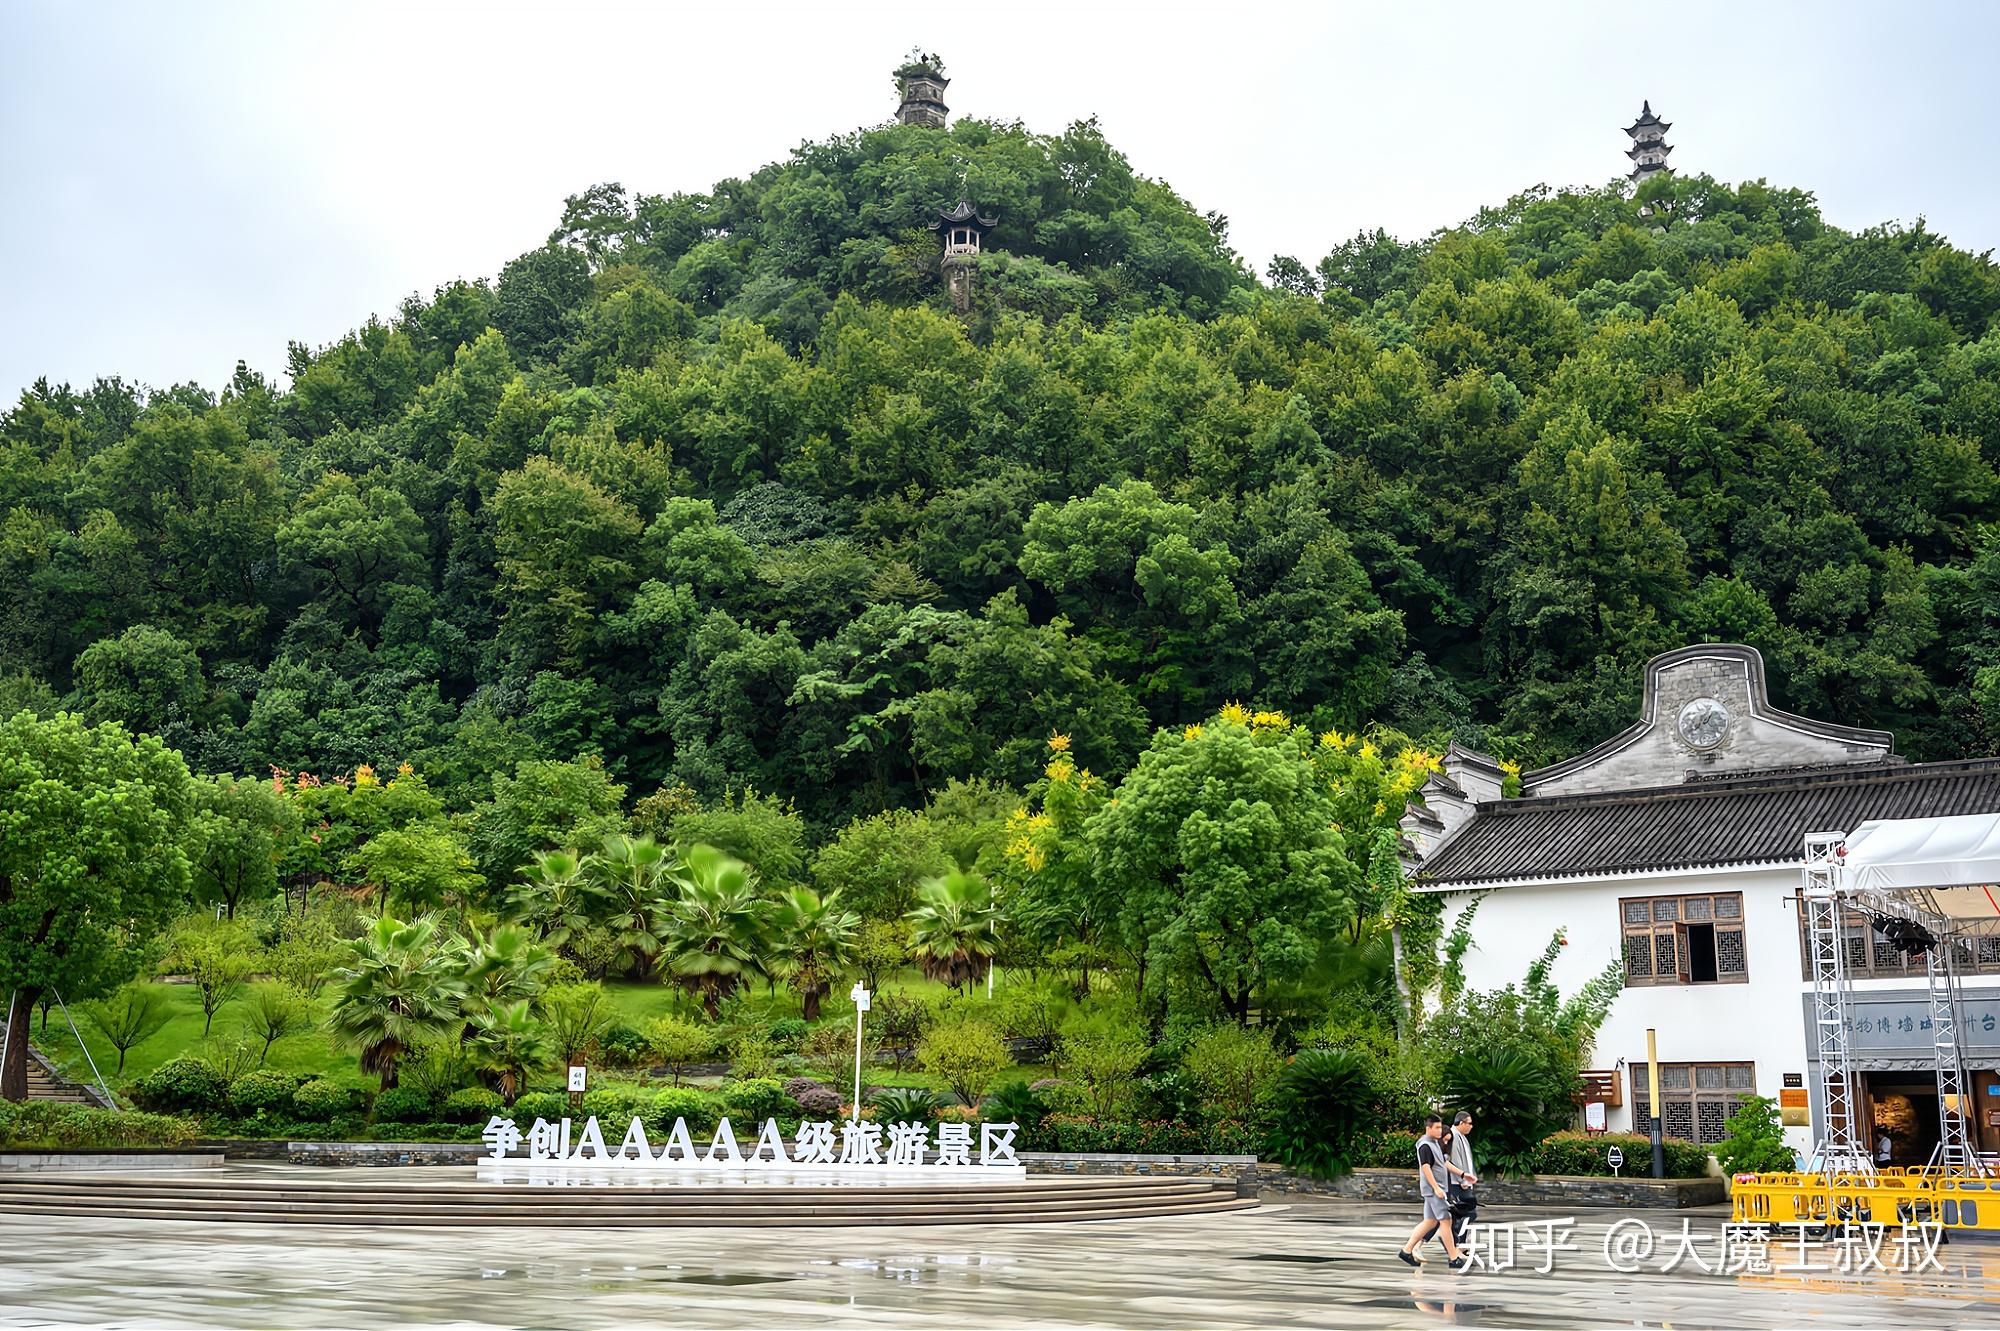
column 719, row 487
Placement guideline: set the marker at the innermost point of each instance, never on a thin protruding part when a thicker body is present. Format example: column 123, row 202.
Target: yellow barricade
column 1889, row 1197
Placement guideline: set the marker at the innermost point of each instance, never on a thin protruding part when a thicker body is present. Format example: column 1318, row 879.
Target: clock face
column 1703, row 721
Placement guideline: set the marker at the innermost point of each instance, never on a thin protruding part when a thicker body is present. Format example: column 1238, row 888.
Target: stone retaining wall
column 383, row 1153
column 106, row 1161
column 1543, row 1190
column 1254, row 1178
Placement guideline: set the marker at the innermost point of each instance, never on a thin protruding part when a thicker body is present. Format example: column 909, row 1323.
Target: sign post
column 576, row 1080
column 860, row 996
column 1653, row 1103
column 1616, row 1159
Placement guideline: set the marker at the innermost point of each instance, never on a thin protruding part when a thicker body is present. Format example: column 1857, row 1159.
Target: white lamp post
column 860, row 996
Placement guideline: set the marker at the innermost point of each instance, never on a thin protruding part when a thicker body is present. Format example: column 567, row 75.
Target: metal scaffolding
column 1841, row 1147
column 1954, row 1154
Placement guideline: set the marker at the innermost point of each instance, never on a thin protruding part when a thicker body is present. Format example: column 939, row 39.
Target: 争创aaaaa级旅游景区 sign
column 831, row 1150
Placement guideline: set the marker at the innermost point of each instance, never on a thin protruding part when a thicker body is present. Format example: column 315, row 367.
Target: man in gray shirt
column 1463, row 1172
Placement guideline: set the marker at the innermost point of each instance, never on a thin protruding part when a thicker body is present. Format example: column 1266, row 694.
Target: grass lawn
column 312, row 1053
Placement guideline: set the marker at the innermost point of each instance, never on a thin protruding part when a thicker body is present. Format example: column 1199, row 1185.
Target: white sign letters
column 818, row 1147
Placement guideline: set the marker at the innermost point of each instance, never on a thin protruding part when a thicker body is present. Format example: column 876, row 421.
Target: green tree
column 875, row 863
column 1219, row 851
column 565, row 547
column 93, row 828
column 276, row 1010
column 555, row 897
column 1755, row 1140
column 764, row 831
column 509, row 1043
column 954, row 928
column 713, row 939
column 132, row 1015
column 398, row 990
column 967, row 1055
column 677, row 1043
column 633, row 877
column 503, row 967
column 357, row 540
column 1235, row 1069
column 541, row 805
column 145, row 678
column 417, row 868
column 216, row 958
column 814, row 941
column 578, row 1015
column 243, row 829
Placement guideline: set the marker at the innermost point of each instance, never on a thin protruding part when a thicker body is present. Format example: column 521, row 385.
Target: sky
column 191, row 184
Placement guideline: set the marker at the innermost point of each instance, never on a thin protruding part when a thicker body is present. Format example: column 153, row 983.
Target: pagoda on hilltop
column 920, row 83
column 962, row 228
column 1649, row 145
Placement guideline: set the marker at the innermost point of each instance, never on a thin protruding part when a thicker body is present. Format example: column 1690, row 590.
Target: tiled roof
column 1754, row 818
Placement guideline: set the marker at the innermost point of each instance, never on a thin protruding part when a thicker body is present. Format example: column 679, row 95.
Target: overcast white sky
column 187, row 184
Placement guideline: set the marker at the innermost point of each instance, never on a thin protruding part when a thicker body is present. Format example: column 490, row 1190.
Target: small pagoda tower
column 920, row 83
column 1649, row 145
column 962, row 229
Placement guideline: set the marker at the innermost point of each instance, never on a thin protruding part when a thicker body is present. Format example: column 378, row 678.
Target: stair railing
column 75, row 1034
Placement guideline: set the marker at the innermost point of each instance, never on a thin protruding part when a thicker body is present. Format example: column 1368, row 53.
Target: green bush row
column 46, row 1124
column 1084, row 1132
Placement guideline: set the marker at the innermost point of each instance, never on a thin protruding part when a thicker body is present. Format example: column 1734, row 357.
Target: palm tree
column 631, row 874
column 555, row 896
column 954, row 929
column 510, row 1044
column 713, row 936
column 506, row 966
column 399, row 988
column 814, row 942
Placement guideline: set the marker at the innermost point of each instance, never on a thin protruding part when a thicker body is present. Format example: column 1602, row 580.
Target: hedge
column 1082, row 1132
column 1563, row 1153
column 48, row 1124
column 1582, row 1153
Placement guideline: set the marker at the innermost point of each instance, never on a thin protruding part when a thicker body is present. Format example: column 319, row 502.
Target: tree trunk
column 809, row 1004
column 1402, row 984
column 14, row 1075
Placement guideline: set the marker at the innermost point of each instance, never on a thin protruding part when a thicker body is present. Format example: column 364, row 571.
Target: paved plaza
column 1309, row 1264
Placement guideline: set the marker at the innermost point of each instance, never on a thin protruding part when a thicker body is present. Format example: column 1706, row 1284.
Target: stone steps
column 45, row 1083
column 390, row 1204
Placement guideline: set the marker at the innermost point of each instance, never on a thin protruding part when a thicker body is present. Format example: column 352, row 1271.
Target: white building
column 1676, row 846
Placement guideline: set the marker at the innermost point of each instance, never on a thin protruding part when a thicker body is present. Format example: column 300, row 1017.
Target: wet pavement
column 1326, row 1264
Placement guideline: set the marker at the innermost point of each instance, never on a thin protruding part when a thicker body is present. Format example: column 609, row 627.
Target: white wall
column 1756, row 1022
column 1760, row 1021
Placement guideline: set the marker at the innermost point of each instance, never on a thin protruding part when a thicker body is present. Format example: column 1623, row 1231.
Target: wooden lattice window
column 1684, row 940
column 1696, row 1099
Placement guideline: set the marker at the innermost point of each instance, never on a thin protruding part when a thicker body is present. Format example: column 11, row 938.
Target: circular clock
column 1703, row 721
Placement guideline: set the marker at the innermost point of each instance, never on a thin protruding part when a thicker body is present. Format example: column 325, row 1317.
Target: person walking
column 1459, row 1164
column 1431, row 1176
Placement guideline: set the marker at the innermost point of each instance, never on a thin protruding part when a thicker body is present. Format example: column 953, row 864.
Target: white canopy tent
column 1948, row 867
